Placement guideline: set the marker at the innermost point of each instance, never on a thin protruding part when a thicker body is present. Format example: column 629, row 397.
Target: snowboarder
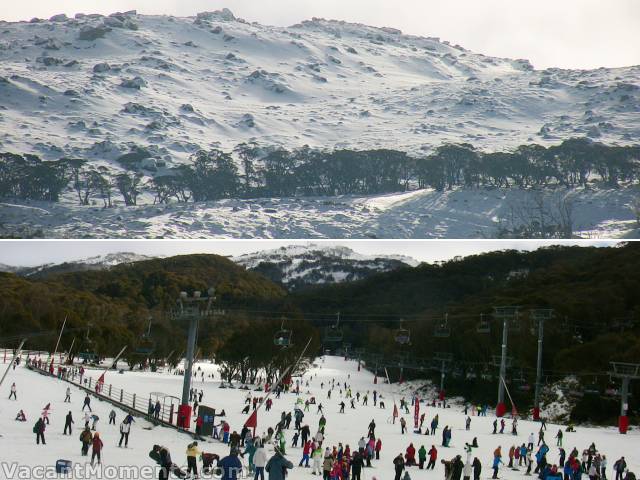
column 13, row 391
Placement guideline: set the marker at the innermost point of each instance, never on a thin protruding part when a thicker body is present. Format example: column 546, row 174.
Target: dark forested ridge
column 593, row 292
column 252, row 171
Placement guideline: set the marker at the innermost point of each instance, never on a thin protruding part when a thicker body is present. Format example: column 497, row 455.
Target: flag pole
column 254, row 414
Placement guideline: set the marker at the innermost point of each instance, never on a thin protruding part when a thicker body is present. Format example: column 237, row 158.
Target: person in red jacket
column 410, row 456
column 433, row 456
column 97, row 447
column 306, row 452
column 378, row 448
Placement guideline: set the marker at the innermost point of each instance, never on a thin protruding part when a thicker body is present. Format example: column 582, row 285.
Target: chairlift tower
column 442, row 360
column 539, row 315
column 507, row 314
column 191, row 309
column 627, row 372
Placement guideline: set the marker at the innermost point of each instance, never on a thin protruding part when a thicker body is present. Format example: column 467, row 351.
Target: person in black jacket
column 398, row 464
column 356, row 466
column 457, row 467
column 477, row 468
column 68, row 421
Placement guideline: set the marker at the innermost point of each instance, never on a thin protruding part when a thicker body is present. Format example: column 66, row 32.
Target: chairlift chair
column 443, row 330
column 334, row 333
column 483, row 326
column 403, row 335
column 282, row 338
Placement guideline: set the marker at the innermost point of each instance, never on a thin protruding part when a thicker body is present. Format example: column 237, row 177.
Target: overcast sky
column 550, row 33
column 38, row 252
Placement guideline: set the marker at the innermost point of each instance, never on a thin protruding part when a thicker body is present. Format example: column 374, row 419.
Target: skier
column 495, row 426
column 356, row 466
column 277, row 466
column 477, row 468
column 259, row 461
column 86, row 437
column 467, row 471
column 306, row 453
column 372, row 429
column 378, row 448
column 68, row 421
column 422, row 457
column 87, row 403
column 457, row 467
column 112, row 417
column 192, row 458
column 13, row 391
column 97, row 445
column 125, row 428
column 230, row 466
column 559, row 438
column 67, row 398
column 497, row 460
column 39, row 429
column 619, row 467
column 410, row 456
column 94, row 419
column 468, row 423
column 317, row 461
column 403, row 425
column 398, row 464
column 433, row 456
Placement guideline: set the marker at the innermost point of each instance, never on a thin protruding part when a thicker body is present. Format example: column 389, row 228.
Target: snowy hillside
column 100, row 262
column 304, row 265
column 95, row 87
column 461, row 213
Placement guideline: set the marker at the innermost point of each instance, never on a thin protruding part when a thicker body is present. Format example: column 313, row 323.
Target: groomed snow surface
column 461, row 213
column 34, row 391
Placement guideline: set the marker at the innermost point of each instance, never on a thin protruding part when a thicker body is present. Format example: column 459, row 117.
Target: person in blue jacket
column 497, row 460
column 231, row 466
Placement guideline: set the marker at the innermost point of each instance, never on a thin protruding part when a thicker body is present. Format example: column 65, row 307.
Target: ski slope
column 460, row 213
column 34, row 391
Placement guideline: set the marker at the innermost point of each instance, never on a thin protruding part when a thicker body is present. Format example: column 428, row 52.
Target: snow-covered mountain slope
column 304, row 265
column 99, row 262
column 472, row 213
column 94, row 86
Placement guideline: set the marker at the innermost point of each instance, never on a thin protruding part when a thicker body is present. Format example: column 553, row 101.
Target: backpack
column 35, row 429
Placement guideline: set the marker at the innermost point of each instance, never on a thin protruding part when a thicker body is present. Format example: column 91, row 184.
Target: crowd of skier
column 342, row 460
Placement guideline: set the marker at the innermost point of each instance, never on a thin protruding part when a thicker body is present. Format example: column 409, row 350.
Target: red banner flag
column 252, row 421
column 416, row 412
column 395, row 411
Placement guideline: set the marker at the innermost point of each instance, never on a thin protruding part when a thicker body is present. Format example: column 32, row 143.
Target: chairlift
column 483, row 326
column 146, row 345
column 282, row 338
column 88, row 347
column 443, row 330
column 403, row 335
column 334, row 333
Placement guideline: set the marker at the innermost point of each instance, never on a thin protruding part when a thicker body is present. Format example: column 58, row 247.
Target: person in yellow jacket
column 192, row 455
